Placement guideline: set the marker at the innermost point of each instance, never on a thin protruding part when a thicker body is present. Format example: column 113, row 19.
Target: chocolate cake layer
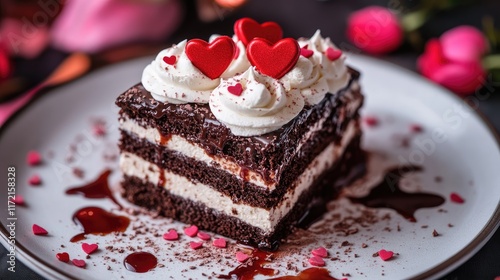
column 158, row 199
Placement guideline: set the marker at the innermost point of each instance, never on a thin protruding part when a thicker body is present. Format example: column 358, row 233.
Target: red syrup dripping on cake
column 388, row 194
column 312, row 273
column 164, row 139
column 140, row 262
column 96, row 189
column 252, row 267
column 95, row 220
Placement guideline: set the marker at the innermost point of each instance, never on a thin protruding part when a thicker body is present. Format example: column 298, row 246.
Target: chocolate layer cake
column 242, row 156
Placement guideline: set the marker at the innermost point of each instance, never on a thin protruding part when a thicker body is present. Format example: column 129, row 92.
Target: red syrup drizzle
column 252, row 267
column 96, row 189
column 95, row 220
column 140, row 262
column 388, row 194
column 313, row 273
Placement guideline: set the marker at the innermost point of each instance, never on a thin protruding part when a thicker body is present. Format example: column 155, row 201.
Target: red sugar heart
column 317, row 261
column 18, row 199
column 320, row 252
column 305, row 52
column 416, row 128
column 385, row 255
column 191, row 231
column 38, row 230
column 333, row 54
column 171, row 235
column 204, row 236
column 455, row 197
column 371, row 121
column 89, row 248
column 273, row 60
column 220, row 243
column 237, row 89
column 170, row 59
column 79, row 263
column 195, row 245
column 35, row 180
column 63, row 257
column 242, row 257
column 212, row 59
column 33, row 158
column 247, row 29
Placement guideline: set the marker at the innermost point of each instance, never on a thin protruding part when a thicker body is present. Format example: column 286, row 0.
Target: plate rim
column 43, row 268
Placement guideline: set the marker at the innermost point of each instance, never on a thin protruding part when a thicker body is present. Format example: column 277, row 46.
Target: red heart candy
column 212, row 59
column 333, row 54
column 33, row 158
column 79, row 263
column 455, row 197
column 195, row 245
column 38, row 230
column 220, row 243
column 63, row 257
column 191, row 231
column 305, row 52
column 18, row 199
column 171, row 235
column 320, row 252
column 170, row 59
column 247, row 29
column 242, row 257
column 273, row 60
column 35, row 180
column 89, row 248
column 204, row 236
column 385, row 255
column 237, row 89
column 317, row 261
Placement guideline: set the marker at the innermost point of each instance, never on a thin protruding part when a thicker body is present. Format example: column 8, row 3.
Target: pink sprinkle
column 35, row 180
column 333, row 54
column 204, row 236
column 89, row 248
column 191, row 231
column 220, row 243
column 316, row 261
column 370, row 121
column 385, row 255
column 38, row 230
column 33, row 158
column 416, row 128
column 99, row 129
column 195, row 245
column 242, row 257
column 79, row 263
column 305, row 52
column 171, row 235
column 18, row 199
column 63, row 257
column 320, row 252
column 455, row 197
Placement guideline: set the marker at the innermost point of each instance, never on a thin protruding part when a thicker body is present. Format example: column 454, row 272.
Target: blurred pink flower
column 464, row 43
column 5, row 66
column 23, row 38
column 461, row 77
column 375, row 30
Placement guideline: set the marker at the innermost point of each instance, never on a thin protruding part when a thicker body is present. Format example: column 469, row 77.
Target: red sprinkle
column 316, row 261
column 333, row 54
column 204, row 235
column 98, row 129
column 171, row 235
column 35, row 180
column 220, row 243
column 371, row 121
column 170, row 59
column 305, row 52
column 237, row 89
column 195, row 245
column 38, row 230
column 455, row 197
column 320, row 252
column 63, row 257
column 191, row 231
column 416, row 128
column 18, row 199
column 89, row 248
column 79, row 263
column 34, row 158
column 242, row 257
column 385, row 255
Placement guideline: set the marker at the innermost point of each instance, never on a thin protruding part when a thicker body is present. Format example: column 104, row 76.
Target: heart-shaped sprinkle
column 333, row 54
column 237, row 89
column 242, row 257
column 191, row 231
column 89, row 248
column 35, row 180
column 316, row 261
column 246, row 29
column 171, row 235
column 170, row 60
column 204, row 235
column 273, row 60
column 305, row 52
column 38, row 230
column 79, row 263
column 220, row 243
column 195, row 245
column 63, row 257
column 416, row 128
column 455, row 197
column 385, row 255
column 34, row 158
column 370, row 121
column 212, row 59
column 320, row 252
column 18, row 199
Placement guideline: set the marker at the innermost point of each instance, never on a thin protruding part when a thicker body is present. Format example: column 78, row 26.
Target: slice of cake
column 245, row 154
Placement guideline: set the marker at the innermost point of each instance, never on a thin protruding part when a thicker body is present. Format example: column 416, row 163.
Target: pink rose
column 375, row 30
column 461, row 77
column 464, row 43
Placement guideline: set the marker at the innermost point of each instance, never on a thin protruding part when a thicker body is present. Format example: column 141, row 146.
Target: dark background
column 301, row 18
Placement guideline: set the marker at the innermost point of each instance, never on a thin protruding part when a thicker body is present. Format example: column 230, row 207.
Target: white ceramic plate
column 466, row 158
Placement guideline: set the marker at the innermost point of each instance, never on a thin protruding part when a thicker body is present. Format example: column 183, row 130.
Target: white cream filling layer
column 132, row 165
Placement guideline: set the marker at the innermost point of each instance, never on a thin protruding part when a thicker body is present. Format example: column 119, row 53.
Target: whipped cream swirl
column 317, row 75
column 262, row 105
column 240, row 62
column 179, row 83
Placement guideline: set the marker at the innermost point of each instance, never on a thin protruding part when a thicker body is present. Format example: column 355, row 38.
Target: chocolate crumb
column 375, row 254
column 450, row 225
column 424, row 226
column 435, row 233
column 364, row 245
